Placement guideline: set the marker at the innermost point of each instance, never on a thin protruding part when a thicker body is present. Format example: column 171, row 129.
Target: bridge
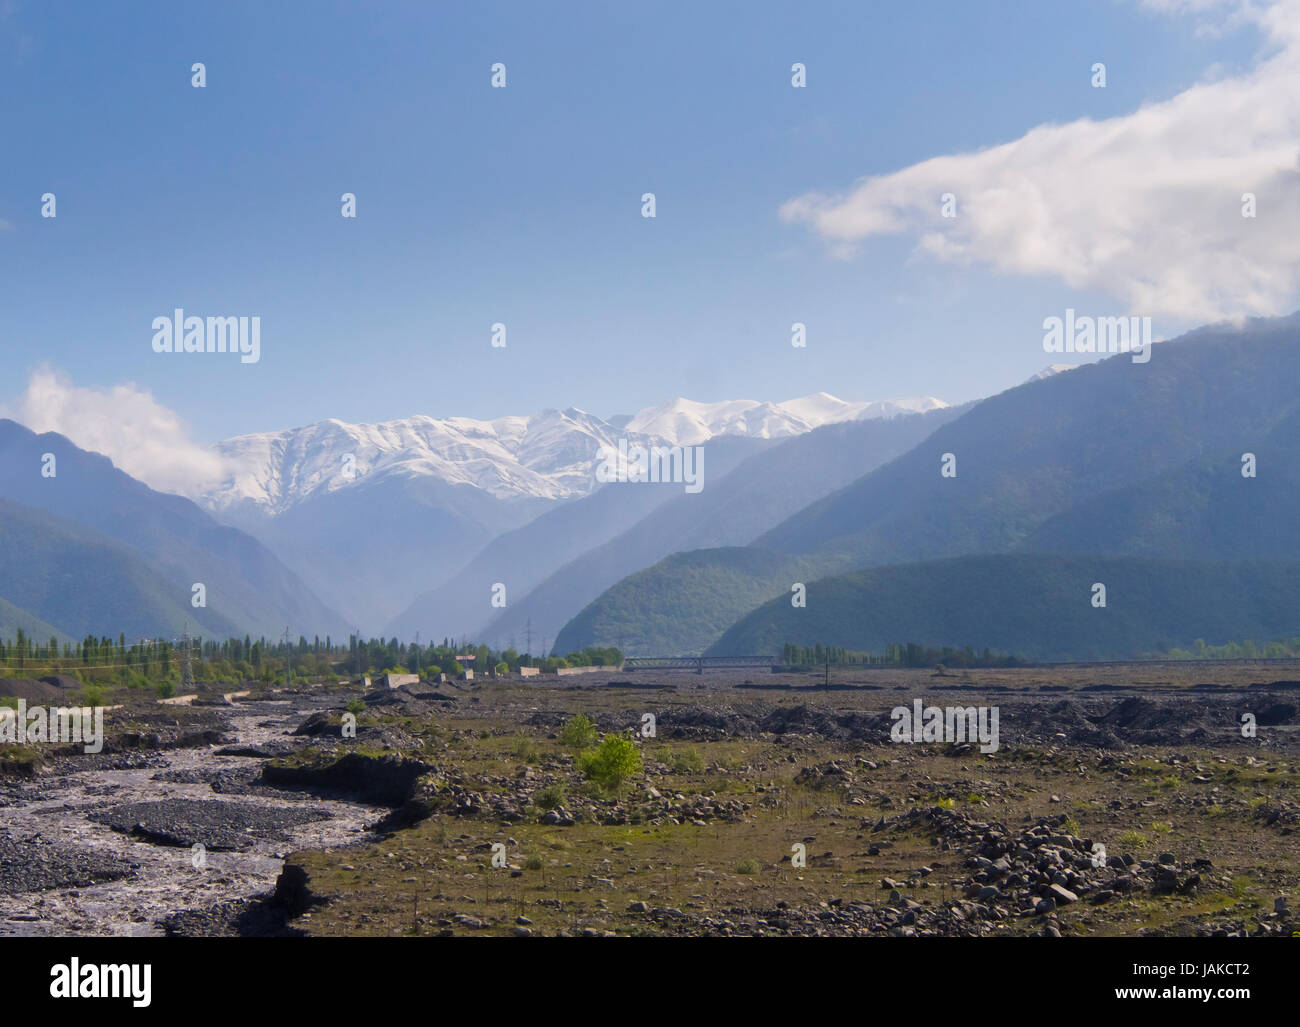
column 699, row 664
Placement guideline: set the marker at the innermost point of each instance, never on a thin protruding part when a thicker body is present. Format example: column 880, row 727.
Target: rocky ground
column 1121, row 800
column 106, row 843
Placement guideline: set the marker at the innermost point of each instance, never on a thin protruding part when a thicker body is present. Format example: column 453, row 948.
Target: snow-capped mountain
column 685, row 422
column 373, row 515
column 550, row 455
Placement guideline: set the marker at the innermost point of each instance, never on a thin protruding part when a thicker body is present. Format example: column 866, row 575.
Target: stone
column 1062, row 895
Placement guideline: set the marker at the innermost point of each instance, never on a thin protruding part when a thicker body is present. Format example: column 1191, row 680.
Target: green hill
column 89, row 584
column 1035, row 606
column 682, row 604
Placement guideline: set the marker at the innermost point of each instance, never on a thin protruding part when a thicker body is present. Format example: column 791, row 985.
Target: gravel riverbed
column 106, row 844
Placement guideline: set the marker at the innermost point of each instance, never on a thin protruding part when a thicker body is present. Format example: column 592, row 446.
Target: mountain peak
column 550, row 454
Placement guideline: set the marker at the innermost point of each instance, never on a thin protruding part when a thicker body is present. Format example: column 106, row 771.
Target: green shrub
column 747, row 866
column 578, row 734
column 611, row 763
column 550, row 797
column 165, row 690
column 355, row 706
column 1133, row 840
column 525, row 749
column 92, row 695
column 534, row 863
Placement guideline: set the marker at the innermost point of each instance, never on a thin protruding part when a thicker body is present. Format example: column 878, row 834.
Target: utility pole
column 417, row 654
column 529, row 630
column 358, row 653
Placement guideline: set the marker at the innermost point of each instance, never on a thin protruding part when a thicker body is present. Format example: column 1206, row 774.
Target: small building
column 397, row 680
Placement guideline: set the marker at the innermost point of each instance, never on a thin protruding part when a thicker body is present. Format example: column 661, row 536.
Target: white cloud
column 125, row 423
column 1145, row 207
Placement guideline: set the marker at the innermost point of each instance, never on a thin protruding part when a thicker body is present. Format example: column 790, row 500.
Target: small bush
column 355, row 706
column 747, row 866
column 550, row 797
column 612, row 762
column 578, row 734
column 92, row 695
column 534, row 863
column 525, row 749
column 165, row 690
column 688, row 761
column 1133, row 840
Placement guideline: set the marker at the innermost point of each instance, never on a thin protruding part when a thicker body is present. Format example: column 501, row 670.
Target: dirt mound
column 384, row 780
column 63, row 681
column 413, row 700
column 32, row 690
column 811, row 720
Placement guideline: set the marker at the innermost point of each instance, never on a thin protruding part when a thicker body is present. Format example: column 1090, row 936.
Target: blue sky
column 522, row 205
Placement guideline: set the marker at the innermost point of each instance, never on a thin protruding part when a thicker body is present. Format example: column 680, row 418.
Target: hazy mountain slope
column 87, row 583
column 368, row 552
column 247, row 587
column 536, row 553
column 1038, row 451
column 1038, row 606
column 12, row 618
column 519, row 559
column 759, row 493
column 1204, row 509
column 1043, row 447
